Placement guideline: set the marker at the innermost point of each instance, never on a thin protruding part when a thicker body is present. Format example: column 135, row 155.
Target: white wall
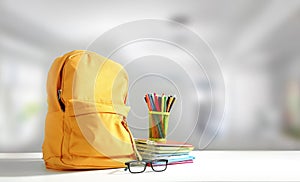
column 255, row 42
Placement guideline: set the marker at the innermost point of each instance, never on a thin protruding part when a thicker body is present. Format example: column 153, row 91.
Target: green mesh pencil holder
column 158, row 125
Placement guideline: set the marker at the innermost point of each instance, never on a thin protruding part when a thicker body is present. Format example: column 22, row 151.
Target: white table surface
column 208, row 166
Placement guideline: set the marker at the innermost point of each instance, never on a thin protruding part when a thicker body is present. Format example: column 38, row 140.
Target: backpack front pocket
column 93, row 131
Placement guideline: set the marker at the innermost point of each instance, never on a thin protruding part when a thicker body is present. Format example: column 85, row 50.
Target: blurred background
column 255, row 46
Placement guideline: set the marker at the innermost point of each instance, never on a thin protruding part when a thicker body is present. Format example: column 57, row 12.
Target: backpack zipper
column 61, row 103
column 137, row 155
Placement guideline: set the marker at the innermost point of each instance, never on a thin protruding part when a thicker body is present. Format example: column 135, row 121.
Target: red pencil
column 148, row 102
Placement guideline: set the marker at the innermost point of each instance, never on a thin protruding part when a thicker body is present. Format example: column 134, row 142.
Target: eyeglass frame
column 146, row 164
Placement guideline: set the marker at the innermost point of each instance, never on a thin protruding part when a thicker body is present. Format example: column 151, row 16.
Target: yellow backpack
column 86, row 124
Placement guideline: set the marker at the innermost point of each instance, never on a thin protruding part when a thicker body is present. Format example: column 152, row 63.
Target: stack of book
column 175, row 152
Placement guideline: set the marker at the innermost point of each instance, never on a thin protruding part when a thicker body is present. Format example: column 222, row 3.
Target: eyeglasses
column 158, row 165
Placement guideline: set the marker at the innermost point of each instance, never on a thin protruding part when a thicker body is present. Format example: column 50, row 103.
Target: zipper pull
column 59, row 94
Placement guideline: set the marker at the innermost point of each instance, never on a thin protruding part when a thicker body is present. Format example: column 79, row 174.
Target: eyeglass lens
column 137, row 166
column 159, row 165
